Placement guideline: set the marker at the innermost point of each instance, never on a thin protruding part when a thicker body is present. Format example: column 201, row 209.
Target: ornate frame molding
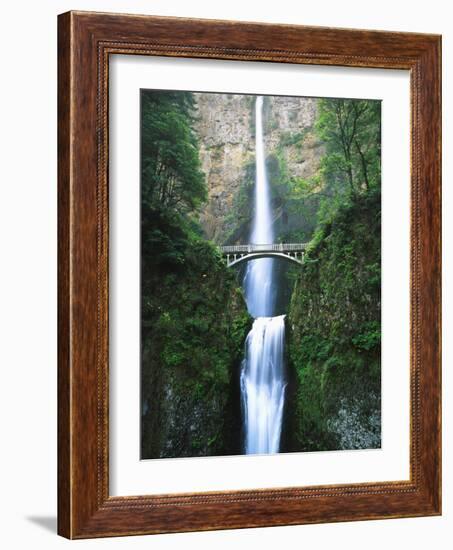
column 86, row 40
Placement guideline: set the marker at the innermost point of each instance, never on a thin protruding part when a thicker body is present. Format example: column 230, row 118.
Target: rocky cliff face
column 334, row 334
column 290, row 129
column 225, row 125
column 195, row 322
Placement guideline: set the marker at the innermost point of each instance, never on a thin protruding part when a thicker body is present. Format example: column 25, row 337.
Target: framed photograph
column 249, row 275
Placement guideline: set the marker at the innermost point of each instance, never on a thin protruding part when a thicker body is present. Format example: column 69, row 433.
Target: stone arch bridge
column 235, row 254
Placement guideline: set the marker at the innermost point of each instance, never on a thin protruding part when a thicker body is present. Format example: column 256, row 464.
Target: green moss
column 289, row 138
column 195, row 324
column 334, row 319
column 193, row 315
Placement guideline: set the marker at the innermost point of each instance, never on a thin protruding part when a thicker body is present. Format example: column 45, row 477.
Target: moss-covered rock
column 334, row 334
column 194, row 326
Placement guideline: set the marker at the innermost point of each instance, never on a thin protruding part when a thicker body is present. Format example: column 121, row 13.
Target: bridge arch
column 236, row 254
column 256, row 255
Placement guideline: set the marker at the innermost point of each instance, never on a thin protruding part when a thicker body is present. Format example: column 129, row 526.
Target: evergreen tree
column 172, row 178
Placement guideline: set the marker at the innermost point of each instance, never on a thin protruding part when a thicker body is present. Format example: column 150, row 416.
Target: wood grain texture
column 86, row 40
column 64, row 371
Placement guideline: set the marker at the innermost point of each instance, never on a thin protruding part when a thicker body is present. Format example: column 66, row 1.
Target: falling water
column 259, row 289
column 263, row 385
column 262, row 377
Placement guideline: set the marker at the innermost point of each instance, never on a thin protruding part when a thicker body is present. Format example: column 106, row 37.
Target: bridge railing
column 250, row 248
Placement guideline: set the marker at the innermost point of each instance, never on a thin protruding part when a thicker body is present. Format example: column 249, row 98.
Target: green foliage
column 194, row 318
column 351, row 130
column 171, row 173
column 334, row 316
column 194, row 326
column 302, row 188
column 370, row 338
column 292, row 139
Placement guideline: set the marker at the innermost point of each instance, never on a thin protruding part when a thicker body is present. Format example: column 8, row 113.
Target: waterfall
column 263, row 385
column 262, row 376
column 259, row 291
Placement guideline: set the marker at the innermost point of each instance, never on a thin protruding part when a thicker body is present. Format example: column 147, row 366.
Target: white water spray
column 262, row 377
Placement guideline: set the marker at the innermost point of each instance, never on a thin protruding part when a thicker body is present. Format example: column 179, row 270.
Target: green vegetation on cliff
column 334, row 314
column 335, row 330
column 194, row 319
column 294, row 210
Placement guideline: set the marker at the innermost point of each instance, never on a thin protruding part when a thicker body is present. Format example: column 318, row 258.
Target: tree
column 351, row 130
column 172, row 178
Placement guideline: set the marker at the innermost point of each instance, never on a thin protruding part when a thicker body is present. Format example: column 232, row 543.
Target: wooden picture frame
column 85, row 41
